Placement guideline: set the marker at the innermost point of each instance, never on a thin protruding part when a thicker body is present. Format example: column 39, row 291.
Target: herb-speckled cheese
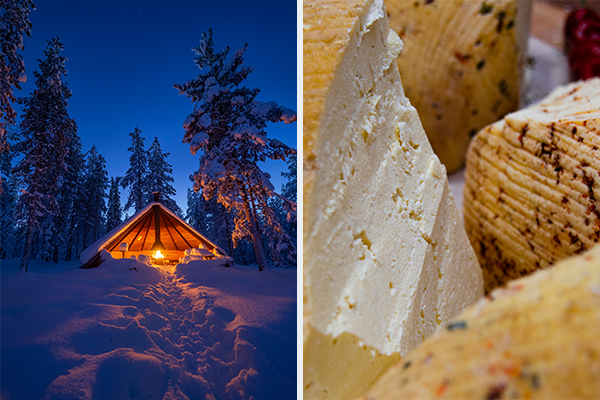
column 532, row 184
column 461, row 65
column 386, row 258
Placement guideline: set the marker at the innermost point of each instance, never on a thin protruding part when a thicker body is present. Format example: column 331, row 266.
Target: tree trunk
column 55, row 255
column 69, row 244
column 258, row 250
column 85, row 226
column 28, row 241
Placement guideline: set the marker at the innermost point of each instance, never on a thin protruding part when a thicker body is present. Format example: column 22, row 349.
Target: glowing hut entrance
column 154, row 231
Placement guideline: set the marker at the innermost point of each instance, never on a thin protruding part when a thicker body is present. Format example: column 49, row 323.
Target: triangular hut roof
column 139, row 233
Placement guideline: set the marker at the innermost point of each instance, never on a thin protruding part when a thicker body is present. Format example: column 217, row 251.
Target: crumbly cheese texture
column 537, row 338
column 532, row 192
column 461, row 67
column 386, row 258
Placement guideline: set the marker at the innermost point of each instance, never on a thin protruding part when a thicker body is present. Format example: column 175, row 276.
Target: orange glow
column 158, row 254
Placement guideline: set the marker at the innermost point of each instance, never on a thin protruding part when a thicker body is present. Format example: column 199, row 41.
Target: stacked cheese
column 461, row 67
column 531, row 192
column 536, row 338
column 386, row 258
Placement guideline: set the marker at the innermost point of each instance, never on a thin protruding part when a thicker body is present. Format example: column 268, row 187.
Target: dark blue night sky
column 124, row 56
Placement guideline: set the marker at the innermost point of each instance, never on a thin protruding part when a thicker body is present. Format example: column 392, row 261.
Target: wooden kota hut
column 154, row 228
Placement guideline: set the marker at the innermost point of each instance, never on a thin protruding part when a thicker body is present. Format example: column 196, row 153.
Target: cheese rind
column 531, row 184
column 386, row 259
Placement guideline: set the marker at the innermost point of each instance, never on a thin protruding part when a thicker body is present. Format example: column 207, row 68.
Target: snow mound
column 133, row 331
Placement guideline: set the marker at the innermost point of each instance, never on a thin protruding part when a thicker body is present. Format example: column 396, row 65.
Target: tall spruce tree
column 284, row 206
column 8, row 200
column 46, row 130
column 136, row 176
column 114, row 214
column 14, row 23
column 228, row 125
column 57, row 227
column 74, row 197
column 289, row 189
column 96, row 183
column 160, row 176
column 195, row 212
column 210, row 218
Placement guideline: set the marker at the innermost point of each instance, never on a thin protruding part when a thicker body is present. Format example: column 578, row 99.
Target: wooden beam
column 168, row 219
column 142, row 223
column 111, row 246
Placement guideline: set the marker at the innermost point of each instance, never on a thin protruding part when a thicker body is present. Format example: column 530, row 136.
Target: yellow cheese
column 461, row 66
column 386, row 258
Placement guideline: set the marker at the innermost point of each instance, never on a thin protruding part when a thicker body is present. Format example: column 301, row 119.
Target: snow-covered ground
column 130, row 331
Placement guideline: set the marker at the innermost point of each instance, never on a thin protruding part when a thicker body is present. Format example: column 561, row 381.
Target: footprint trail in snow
column 190, row 332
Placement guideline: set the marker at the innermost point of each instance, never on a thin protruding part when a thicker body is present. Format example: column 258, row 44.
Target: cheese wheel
column 461, row 66
column 386, row 258
column 531, row 186
column 535, row 339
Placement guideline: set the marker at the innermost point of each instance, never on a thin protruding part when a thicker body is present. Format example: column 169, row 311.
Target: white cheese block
column 386, row 259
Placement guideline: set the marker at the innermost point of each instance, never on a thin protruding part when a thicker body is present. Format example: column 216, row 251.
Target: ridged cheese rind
column 531, row 186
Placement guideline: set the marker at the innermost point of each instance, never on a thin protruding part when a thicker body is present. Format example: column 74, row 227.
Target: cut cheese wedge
column 535, row 339
column 462, row 65
column 531, row 193
column 386, row 258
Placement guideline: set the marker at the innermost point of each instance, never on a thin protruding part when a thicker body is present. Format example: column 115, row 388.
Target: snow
column 200, row 139
column 188, row 121
column 127, row 330
column 288, row 115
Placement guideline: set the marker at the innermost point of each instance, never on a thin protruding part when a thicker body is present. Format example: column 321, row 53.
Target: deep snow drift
column 129, row 331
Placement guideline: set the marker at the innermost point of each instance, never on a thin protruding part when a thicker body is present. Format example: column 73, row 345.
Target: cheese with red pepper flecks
column 461, row 66
column 537, row 338
column 386, row 258
column 532, row 184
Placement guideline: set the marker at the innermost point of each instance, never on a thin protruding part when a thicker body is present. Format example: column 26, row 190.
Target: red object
column 582, row 37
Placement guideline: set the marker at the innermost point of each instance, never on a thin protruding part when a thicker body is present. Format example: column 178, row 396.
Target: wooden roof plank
column 168, row 219
column 151, row 214
column 172, row 239
column 142, row 224
column 200, row 239
column 120, row 238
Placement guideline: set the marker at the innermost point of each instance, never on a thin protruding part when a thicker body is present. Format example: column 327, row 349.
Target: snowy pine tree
column 284, row 206
column 210, row 218
column 160, row 174
column 8, row 200
column 46, row 130
column 290, row 188
column 74, row 196
column 136, row 176
column 195, row 212
column 228, row 125
column 289, row 192
column 56, row 227
column 114, row 214
column 14, row 23
column 96, row 183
